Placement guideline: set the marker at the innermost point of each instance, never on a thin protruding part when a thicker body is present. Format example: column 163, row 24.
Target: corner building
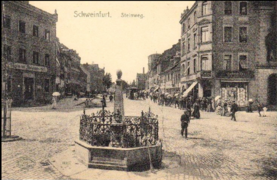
column 225, row 43
column 29, row 52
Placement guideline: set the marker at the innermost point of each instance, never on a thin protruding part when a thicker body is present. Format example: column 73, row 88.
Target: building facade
column 141, row 80
column 224, row 51
column 29, row 52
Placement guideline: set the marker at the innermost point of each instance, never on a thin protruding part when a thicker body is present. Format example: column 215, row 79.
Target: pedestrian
column 264, row 111
column 111, row 97
column 196, row 109
column 185, row 120
column 260, row 108
column 54, row 102
column 224, row 108
column 234, row 109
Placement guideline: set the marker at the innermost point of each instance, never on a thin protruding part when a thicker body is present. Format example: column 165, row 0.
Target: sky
column 117, row 42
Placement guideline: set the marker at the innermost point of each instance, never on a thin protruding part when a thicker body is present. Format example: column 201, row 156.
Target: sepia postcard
column 136, row 90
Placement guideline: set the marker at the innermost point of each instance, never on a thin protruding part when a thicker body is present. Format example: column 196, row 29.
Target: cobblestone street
column 216, row 148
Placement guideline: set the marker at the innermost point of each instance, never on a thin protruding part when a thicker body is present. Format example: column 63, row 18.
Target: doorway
column 272, row 89
column 29, row 88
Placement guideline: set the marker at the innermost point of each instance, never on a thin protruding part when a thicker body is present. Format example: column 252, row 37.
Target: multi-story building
column 141, row 80
column 153, row 76
column 224, row 51
column 170, row 77
column 29, row 51
column 96, row 77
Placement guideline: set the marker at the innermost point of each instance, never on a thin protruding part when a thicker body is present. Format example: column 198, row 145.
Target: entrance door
column 272, row 89
column 29, row 88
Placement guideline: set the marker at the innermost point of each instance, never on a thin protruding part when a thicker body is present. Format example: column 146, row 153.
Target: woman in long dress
column 54, row 103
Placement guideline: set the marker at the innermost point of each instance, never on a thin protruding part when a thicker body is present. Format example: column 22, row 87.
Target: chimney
column 143, row 70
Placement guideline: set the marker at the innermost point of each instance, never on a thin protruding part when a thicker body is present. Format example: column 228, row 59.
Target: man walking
column 234, row 109
column 185, row 120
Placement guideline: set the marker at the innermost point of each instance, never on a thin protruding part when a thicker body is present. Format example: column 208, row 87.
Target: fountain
column 116, row 141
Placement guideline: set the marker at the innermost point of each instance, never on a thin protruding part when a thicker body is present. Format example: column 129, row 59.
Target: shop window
column 204, row 34
column 46, row 85
column 22, row 55
column 243, row 64
column 47, row 35
column 7, row 22
column 243, row 34
column 35, row 30
column 235, row 92
column 22, row 26
column 47, row 60
column 35, row 57
column 228, row 8
column 206, row 64
column 228, row 34
column 227, row 62
column 204, row 8
column 7, row 52
column 243, row 8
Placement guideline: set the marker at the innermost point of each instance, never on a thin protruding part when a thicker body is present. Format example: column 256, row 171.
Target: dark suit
column 234, row 109
column 184, row 124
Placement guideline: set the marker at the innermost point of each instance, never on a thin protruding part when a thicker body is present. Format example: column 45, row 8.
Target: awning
column 156, row 89
column 185, row 94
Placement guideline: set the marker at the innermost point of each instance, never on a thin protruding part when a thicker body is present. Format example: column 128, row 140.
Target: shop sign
column 235, row 74
column 28, row 67
column 206, row 74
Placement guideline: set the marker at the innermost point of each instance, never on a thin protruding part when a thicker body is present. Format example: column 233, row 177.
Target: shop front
column 235, row 91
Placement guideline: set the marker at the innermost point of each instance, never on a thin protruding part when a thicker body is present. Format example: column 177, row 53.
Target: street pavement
column 216, row 148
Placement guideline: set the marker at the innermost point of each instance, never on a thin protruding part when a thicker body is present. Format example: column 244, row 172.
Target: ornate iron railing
column 136, row 131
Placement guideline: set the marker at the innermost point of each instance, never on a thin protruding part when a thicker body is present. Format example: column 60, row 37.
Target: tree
column 107, row 80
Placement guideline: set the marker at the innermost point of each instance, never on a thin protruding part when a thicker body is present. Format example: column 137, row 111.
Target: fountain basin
column 114, row 158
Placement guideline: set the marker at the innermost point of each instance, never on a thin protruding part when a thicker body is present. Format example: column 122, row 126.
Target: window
column 47, row 60
column 22, row 55
column 204, row 34
column 188, row 45
column 205, row 63
column 183, row 28
column 184, row 48
column 7, row 22
column 7, row 52
column 194, row 41
column 35, row 57
column 243, row 62
column 183, row 68
column 46, row 85
column 47, row 35
column 188, row 71
column 9, row 84
column 243, row 34
column 35, row 30
column 228, row 8
column 195, row 17
column 194, row 65
column 243, row 8
column 228, row 34
column 188, row 23
column 204, row 8
column 227, row 62
column 22, row 25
